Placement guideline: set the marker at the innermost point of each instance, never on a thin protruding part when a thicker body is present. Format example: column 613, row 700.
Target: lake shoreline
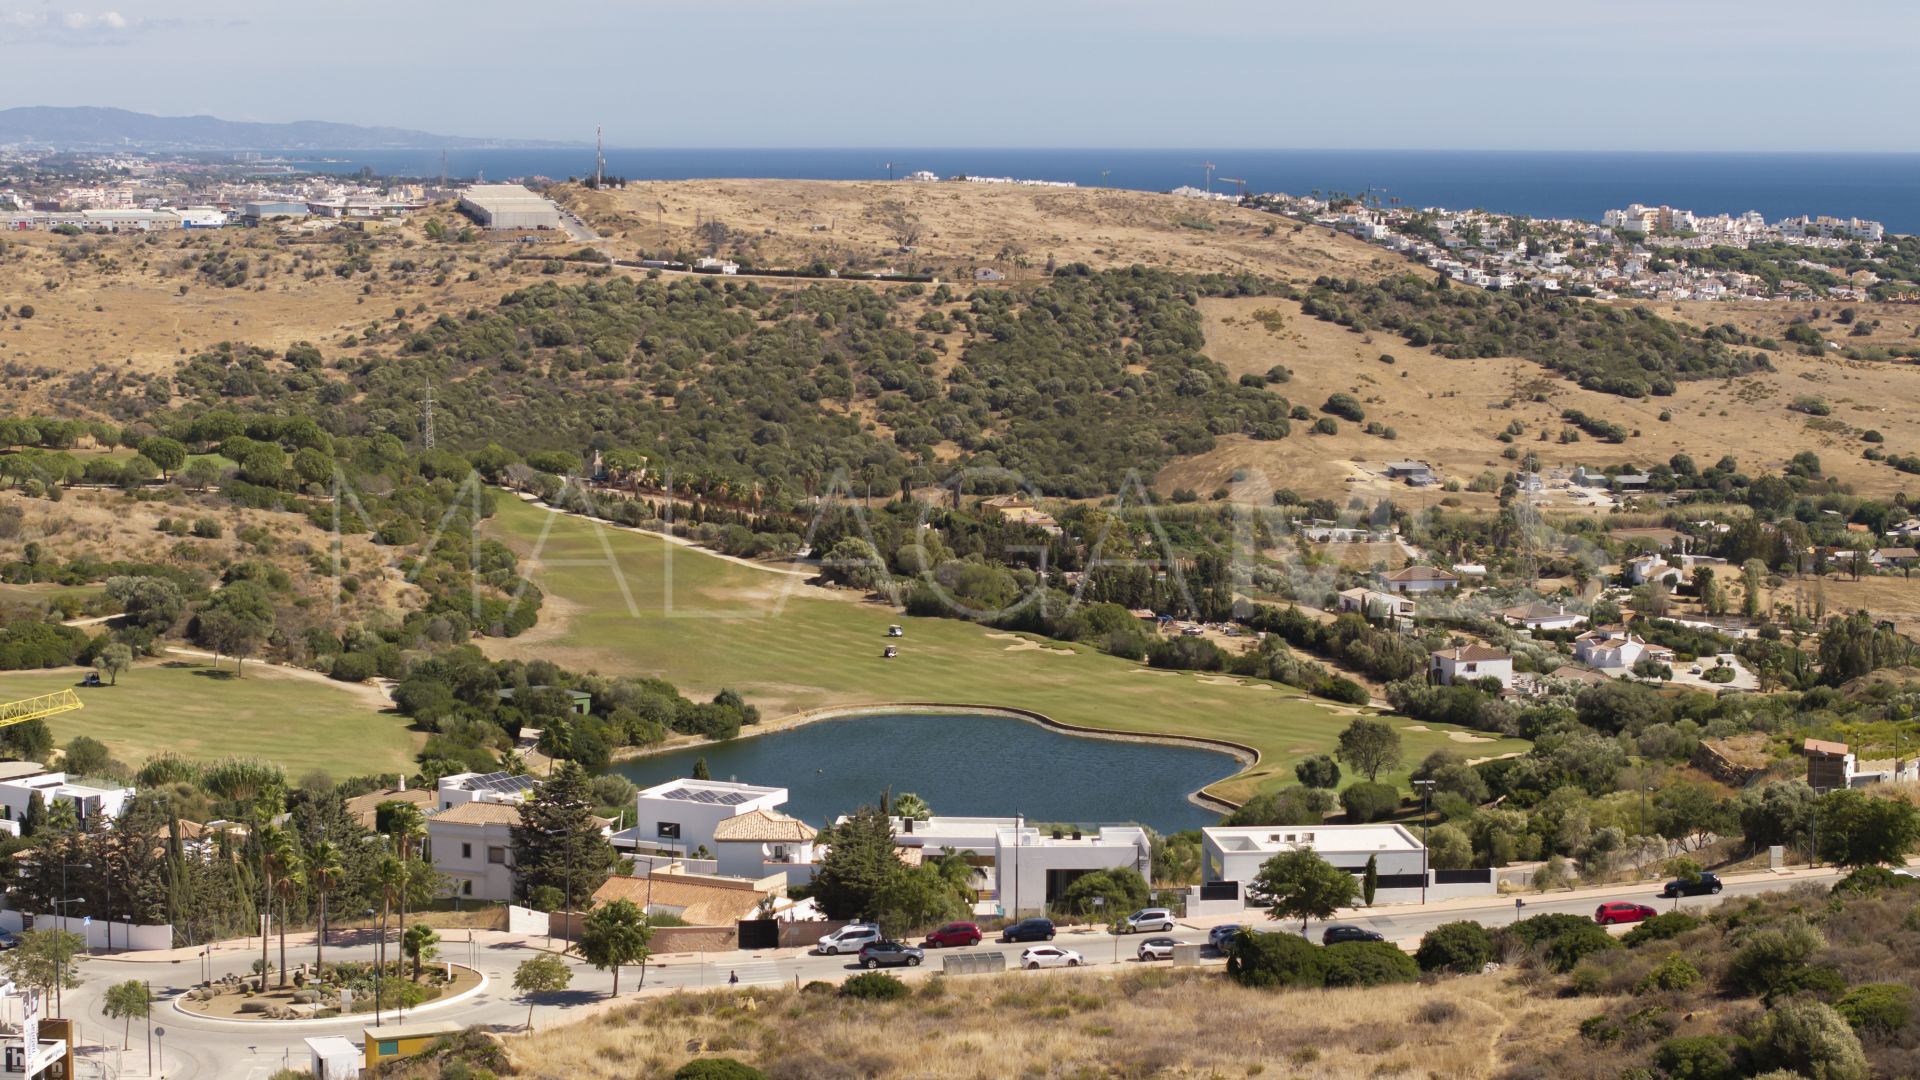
column 1246, row 756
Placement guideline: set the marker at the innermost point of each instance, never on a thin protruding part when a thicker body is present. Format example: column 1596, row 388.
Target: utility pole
column 149, row 989
column 599, row 160
column 1426, row 793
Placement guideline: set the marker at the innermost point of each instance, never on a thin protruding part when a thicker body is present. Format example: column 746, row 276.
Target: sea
column 1571, row 184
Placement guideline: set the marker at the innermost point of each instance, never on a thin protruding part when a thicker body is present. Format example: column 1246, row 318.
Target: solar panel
column 712, row 798
column 501, row 781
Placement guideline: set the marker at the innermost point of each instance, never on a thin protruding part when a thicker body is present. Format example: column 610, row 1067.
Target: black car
column 1029, row 930
column 1700, row 886
column 1337, row 933
column 890, row 954
column 1222, row 936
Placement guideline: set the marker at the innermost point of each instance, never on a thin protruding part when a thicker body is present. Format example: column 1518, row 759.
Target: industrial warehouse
column 509, row 206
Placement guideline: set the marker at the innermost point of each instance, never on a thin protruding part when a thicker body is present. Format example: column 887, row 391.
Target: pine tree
column 557, row 841
column 859, row 863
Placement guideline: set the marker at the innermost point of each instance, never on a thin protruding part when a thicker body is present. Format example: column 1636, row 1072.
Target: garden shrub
column 1368, row 963
column 1462, row 947
column 874, row 986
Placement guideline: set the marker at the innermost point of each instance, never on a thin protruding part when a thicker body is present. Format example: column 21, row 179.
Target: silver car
column 1157, row 948
column 1153, row 918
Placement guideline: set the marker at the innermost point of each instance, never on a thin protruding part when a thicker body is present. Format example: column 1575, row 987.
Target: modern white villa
column 1022, row 868
column 20, row 780
column 680, row 817
column 1231, row 857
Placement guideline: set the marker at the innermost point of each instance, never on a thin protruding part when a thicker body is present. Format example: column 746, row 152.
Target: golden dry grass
column 121, row 307
column 1158, row 1022
column 963, row 226
column 1448, row 412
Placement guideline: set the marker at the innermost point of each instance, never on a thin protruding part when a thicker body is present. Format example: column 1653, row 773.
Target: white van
column 850, row 938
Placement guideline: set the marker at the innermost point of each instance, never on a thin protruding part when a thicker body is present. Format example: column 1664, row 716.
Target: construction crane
column 1239, row 184
column 1209, row 167
column 38, row 708
column 1375, row 198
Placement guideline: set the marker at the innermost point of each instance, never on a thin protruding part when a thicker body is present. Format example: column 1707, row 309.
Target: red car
column 1621, row 911
column 954, row 933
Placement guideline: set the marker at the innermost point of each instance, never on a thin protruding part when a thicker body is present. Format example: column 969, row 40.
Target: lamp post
column 1426, row 795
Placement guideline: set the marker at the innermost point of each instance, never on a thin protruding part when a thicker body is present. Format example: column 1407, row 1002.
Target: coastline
column 1247, row 756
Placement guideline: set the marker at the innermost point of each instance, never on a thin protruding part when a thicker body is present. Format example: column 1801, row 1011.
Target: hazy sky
column 1510, row 74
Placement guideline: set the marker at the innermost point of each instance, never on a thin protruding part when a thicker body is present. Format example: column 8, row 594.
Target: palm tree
column 390, row 876
column 269, row 838
column 405, row 825
column 325, row 873
column 290, row 873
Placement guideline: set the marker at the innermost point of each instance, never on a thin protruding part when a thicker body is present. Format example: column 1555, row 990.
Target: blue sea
column 1561, row 184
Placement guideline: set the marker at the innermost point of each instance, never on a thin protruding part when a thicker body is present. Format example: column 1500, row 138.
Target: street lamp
column 1426, row 795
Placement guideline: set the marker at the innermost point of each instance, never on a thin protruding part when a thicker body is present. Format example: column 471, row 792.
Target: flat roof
column 1277, row 838
column 411, row 1031
column 715, row 792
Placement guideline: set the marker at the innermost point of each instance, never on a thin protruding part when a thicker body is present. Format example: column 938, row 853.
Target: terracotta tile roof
column 1821, row 746
column 479, row 813
column 363, row 807
column 764, row 825
column 1472, row 653
column 700, row 902
column 1419, row 573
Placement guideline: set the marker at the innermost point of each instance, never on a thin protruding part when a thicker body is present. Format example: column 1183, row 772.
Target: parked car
column 1621, row 911
column 957, row 934
column 1339, row 932
column 1047, row 956
column 850, row 938
column 1221, row 936
column 1029, row 930
column 8, row 941
column 1153, row 918
column 1701, row 886
column 1157, row 948
column 890, row 954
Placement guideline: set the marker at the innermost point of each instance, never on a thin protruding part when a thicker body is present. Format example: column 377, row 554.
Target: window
column 466, row 888
column 669, row 830
column 466, row 851
column 389, row 1047
column 497, row 855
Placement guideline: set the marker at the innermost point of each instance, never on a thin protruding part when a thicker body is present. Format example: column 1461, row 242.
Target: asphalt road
column 203, row 1049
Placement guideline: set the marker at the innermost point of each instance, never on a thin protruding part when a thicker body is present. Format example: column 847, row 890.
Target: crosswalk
column 755, row 973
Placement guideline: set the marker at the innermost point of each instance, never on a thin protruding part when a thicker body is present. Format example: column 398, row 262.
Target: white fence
column 521, row 920
column 123, row 935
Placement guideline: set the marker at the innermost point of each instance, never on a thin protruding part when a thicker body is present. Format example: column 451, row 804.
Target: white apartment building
column 1467, row 663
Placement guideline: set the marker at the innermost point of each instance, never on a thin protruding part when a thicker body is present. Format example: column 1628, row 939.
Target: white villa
column 1232, row 856
column 1465, row 663
column 1542, row 616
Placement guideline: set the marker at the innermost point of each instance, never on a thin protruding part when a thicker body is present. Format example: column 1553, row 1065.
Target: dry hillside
column 958, row 227
column 1450, row 412
column 141, row 304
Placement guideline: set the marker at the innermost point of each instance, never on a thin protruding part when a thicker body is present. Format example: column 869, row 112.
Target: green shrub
column 1569, row 948
column 1676, row 972
column 717, row 1069
column 1661, row 927
column 1812, row 1040
column 1275, row 960
column 1880, row 1008
column 1871, row 879
column 1774, row 959
column 1463, row 947
column 1368, row 963
column 1697, row 1057
column 1540, row 929
column 1367, row 801
column 874, row 986
column 1345, row 406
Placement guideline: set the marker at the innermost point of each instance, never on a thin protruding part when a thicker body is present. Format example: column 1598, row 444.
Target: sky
column 1452, row 74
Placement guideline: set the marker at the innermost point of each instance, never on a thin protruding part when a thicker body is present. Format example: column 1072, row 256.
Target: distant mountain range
column 89, row 128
